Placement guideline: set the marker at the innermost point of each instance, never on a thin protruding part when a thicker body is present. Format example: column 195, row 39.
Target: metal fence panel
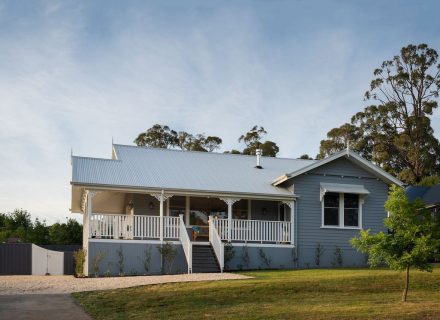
column 15, row 258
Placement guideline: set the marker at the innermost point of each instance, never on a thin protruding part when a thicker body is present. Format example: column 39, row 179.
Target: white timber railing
column 216, row 243
column 113, row 226
column 146, row 227
column 186, row 243
column 171, row 227
column 254, row 230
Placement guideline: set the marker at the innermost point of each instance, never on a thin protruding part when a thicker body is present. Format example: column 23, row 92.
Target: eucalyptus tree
column 161, row 136
column 395, row 130
column 253, row 141
column 158, row 136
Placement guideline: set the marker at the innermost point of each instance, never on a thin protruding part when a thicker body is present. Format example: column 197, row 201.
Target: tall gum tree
column 395, row 131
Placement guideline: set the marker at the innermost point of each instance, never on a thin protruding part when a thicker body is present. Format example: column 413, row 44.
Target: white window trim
column 341, row 214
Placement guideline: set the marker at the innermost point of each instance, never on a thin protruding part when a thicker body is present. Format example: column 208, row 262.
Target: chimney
column 258, row 152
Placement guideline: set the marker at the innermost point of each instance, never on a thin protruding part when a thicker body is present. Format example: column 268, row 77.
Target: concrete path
column 40, row 306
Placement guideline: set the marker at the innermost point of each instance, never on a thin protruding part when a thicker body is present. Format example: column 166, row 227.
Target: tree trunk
column 405, row 291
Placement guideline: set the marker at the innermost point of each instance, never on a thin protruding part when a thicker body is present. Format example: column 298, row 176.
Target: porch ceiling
column 107, row 197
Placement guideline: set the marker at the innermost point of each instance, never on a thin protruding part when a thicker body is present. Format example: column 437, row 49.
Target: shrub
column 96, row 261
column 80, row 258
column 265, row 260
column 245, row 257
column 319, row 251
column 337, row 257
column 146, row 260
column 168, row 254
column 229, row 254
column 294, row 256
column 120, row 261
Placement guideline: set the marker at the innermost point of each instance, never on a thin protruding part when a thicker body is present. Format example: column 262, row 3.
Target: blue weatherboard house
column 224, row 211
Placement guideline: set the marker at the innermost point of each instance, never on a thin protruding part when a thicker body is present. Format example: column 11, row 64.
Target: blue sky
column 74, row 74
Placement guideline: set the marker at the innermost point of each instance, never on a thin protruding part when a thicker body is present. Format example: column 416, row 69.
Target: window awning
column 342, row 188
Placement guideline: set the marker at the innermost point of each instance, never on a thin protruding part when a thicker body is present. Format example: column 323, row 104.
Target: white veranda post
column 88, row 211
column 161, row 197
column 291, row 205
column 230, row 202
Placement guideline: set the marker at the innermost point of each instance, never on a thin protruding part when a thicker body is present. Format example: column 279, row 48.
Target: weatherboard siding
column 309, row 211
column 134, row 256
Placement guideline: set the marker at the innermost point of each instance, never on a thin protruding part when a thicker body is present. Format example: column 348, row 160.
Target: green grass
column 301, row 294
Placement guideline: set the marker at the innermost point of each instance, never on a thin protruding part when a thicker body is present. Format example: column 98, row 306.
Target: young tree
column 410, row 242
column 395, row 132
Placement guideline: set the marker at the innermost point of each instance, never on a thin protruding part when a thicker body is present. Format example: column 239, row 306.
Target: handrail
column 217, row 244
column 186, row 243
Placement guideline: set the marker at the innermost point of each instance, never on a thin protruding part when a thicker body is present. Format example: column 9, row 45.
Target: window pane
column 331, row 216
column 351, row 200
column 331, row 200
column 351, row 217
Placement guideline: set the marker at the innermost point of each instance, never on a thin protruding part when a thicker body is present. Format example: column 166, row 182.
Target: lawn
column 301, row 294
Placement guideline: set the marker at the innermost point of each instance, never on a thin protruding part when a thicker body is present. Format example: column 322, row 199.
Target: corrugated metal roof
column 142, row 167
column 429, row 195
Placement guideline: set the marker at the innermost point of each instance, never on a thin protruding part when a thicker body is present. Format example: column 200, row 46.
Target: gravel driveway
column 14, row 285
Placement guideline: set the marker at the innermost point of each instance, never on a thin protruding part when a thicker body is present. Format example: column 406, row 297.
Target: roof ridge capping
column 212, row 153
column 344, row 153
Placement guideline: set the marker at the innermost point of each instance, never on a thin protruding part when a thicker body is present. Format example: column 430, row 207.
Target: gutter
column 190, row 192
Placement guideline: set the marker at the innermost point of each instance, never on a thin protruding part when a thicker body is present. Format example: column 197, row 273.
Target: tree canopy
column 161, row 136
column 412, row 239
column 18, row 224
column 253, row 141
column 158, row 136
column 395, row 131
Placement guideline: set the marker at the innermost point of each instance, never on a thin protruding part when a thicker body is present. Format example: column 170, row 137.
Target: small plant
column 265, row 260
column 229, row 254
column 294, row 256
column 96, row 261
column 245, row 257
column 120, row 261
column 168, row 254
column 133, row 272
column 319, row 251
column 146, row 260
column 337, row 258
column 80, row 258
column 307, row 264
column 107, row 272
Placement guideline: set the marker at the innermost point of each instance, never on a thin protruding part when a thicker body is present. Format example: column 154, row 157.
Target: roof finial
column 112, row 140
column 348, row 145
